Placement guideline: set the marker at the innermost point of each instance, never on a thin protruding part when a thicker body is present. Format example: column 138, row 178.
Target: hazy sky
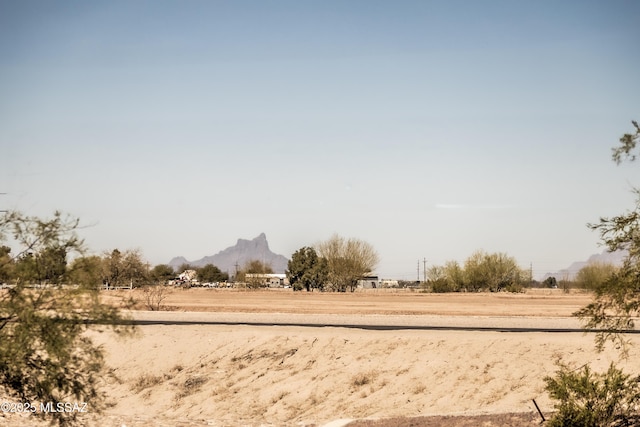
column 430, row 129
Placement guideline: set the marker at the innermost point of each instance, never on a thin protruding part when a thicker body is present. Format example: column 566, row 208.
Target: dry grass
column 190, row 386
column 497, row 420
column 146, row 381
column 363, row 378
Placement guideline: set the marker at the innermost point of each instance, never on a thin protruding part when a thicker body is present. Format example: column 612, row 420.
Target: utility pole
column 424, row 269
column 530, row 273
column 418, row 271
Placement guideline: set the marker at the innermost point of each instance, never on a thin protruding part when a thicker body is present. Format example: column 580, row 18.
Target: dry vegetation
column 535, row 302
column 228, row 375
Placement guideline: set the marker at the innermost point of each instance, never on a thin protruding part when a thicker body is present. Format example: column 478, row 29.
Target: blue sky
column 430, row 129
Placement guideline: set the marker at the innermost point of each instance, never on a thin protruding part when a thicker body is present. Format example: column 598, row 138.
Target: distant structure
column 188, row 275
column 269, row 280
column 374, row 282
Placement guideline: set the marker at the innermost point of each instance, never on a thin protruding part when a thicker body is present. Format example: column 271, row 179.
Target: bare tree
column 348, row 260
column 154, row 296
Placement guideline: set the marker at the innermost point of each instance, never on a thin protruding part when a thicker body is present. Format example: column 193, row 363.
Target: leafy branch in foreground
column 45, row 355
column 610, row 399
column 617, row 300
column 628, row 143
column 588, row 399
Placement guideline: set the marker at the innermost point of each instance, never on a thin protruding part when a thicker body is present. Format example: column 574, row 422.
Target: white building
column 188, row 276
column 269, row 280
column 369, row 282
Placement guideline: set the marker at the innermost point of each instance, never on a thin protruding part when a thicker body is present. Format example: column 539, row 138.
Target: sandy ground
column 538, row 302
column 232, row 375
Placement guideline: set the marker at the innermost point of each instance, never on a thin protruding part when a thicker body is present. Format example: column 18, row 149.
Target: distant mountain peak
column 260, row 240
column 178, row 261
column 606, row 257
column 233, row 257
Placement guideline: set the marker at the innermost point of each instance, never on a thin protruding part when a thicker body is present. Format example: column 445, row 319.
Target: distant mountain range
column 239, row 255
column 606, row 257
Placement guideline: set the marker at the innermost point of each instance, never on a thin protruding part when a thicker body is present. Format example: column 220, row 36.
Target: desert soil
column 236, row 373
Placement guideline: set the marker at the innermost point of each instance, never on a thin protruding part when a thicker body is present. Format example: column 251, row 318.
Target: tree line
column 112, row 269
column 495, row 272
column 338, row 264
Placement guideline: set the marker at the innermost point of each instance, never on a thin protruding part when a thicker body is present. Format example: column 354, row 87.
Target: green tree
column 306, row 270
column 493, row 272
column 437, row 279
column 135, row 269
column 6, row 264
column 210, row 273
column 86, row 271
column 45, row 355
column 455, row 275
column 112, row 269
column 25, row 268
column 348, row 260
column 51, row 265
column 550, row 282
column 594, row 275
column 446, row 278
column 161, row 273
column 125, row 269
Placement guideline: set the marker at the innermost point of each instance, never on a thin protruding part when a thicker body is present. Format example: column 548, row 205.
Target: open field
column 536, row 302
column 231, row 375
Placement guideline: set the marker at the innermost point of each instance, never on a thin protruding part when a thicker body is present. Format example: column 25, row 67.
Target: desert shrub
column 363, row 378
column 493, row 272
column 145, row 381
column 594, row 275
column 515, row 288
column 442, row 285
column 588, row 399
column 190, row 386
column 194, row 383
column 154, row 296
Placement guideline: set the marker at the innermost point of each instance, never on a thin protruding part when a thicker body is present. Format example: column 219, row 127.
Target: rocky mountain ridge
column 235, row 257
